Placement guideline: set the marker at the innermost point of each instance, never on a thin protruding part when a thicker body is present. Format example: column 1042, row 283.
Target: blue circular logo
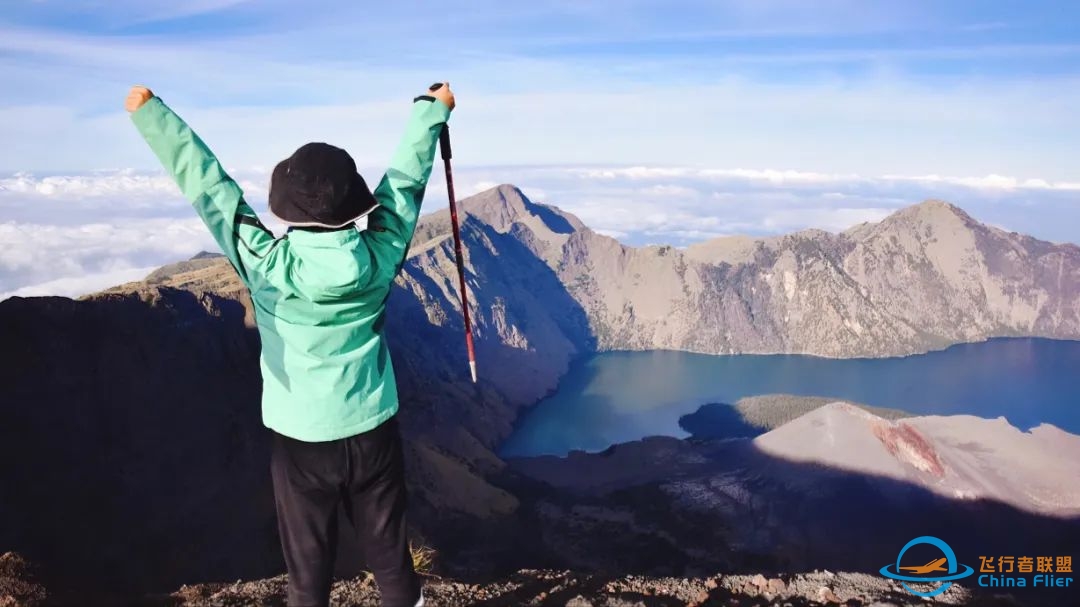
column 946, row 566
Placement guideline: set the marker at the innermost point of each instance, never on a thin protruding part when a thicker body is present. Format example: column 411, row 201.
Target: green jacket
column 319, row 297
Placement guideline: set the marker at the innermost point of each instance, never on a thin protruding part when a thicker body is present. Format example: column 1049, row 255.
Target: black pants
column 365, row 474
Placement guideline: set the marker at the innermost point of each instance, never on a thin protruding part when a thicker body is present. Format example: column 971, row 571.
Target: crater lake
column 616, row 397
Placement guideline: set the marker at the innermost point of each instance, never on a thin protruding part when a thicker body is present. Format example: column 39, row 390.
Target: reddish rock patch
column 909, row 446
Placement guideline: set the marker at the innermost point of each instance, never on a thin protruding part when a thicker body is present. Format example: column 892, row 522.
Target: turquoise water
column 622, row 396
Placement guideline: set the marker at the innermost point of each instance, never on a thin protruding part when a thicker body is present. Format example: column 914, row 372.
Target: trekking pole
column 444, row 146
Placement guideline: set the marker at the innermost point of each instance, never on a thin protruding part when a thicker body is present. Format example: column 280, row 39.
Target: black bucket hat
column 318, row 186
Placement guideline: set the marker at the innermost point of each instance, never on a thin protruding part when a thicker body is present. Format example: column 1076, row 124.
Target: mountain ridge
column 925, row 277
column 545, row 289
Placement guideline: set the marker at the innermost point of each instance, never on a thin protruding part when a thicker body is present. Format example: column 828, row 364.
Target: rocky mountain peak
column 506, row 200
column 933, row 220
column 500, row 208
column 931, row 212
column 503, row 206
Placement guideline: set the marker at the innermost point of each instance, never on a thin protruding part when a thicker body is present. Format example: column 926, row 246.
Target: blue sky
column 875, row 104
column 956, row 87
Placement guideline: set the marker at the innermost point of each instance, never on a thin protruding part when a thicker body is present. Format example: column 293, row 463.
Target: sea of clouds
column 74, row 234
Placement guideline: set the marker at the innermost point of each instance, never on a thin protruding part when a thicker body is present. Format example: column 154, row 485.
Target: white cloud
column 779, row 177
column 787, row 177
column 480, row 186
column 135, row 185
column 991, row 182
column 140, row 10
column 111, row 183
column 42, row 254
column 486, row 184
column 829, row 129
column 533, row 194
column 617, row 235
column 77, row 286
column 832, row 220
column 683, row 235
column 665, row 190
column 638, row 172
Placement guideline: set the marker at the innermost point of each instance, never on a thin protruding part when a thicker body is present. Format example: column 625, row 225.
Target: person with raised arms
column 319, row 293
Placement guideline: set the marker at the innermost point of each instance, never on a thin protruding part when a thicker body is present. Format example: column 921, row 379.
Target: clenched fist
column 442, row 92
column 137, row 97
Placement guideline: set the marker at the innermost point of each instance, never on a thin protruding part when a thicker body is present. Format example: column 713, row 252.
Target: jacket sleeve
column 399, row 194
column 216, row 197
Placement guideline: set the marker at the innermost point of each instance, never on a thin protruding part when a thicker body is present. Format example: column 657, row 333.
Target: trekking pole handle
column 444, row 142
column 444, row 136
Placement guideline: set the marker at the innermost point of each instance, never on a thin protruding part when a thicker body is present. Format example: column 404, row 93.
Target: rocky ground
column 18, row 585
column 528, row 587
column 19, row 588
column 532, row 587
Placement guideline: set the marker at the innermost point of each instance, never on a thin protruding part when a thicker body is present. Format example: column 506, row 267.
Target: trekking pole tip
column 472, row 369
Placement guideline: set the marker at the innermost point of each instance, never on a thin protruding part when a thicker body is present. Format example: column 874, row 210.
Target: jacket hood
column 326, row 266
